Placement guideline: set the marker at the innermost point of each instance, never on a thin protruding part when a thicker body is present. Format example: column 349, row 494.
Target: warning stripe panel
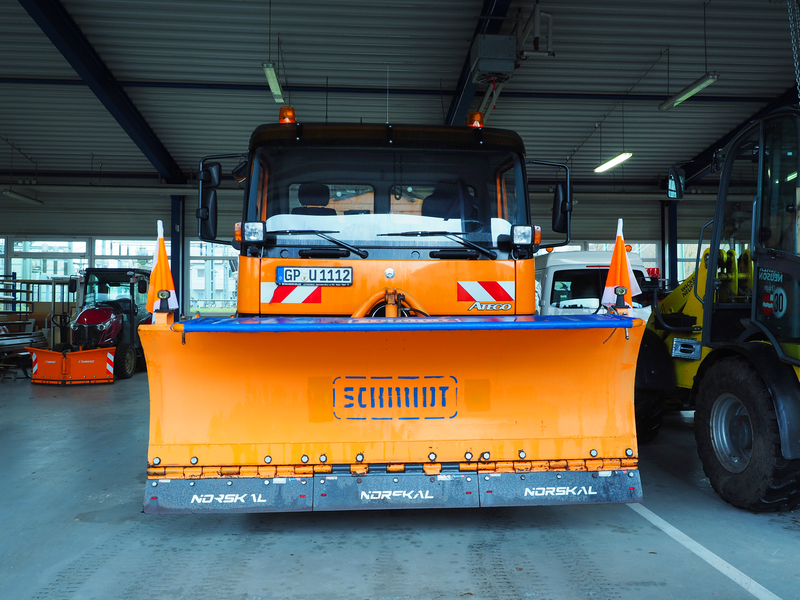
column 272, row 293
column 485, row 291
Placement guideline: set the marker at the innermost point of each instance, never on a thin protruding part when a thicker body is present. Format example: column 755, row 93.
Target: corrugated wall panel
column 195, row 123
column 225, row 41
column 594, row 217
column 24, row 50
column 61, row 128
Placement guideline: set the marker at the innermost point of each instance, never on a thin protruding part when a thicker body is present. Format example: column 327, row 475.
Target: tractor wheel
column 649, row 407
column 124, row 361
column 738, row 440
column 62, row 347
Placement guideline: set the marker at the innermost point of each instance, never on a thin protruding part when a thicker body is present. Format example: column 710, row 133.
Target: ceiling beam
column 399, row 91
column 68, row 39
column 491, row 20
column 700, row 165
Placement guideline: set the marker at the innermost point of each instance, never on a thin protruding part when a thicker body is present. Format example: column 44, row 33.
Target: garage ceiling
column 192, row 72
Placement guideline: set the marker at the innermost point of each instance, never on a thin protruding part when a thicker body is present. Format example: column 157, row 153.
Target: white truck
column 571, row 283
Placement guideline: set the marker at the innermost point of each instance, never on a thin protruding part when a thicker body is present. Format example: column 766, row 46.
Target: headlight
column 254, row 231
column 522, row 235
column 101, row 326
column 74, row 326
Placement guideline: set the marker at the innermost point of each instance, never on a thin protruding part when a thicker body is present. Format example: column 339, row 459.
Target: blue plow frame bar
column 326, row 324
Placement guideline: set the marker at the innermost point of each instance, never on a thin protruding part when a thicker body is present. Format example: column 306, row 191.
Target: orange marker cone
column 161, row 277
column 620, row 273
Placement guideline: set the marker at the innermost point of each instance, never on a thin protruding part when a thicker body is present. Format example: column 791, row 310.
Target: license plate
column 314, row 276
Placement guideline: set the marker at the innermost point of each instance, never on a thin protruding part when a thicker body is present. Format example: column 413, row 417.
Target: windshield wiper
column 449, row 235
column 322, row 234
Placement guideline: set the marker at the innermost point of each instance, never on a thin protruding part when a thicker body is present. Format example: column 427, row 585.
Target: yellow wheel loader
column 385, row 352
column 726, row 342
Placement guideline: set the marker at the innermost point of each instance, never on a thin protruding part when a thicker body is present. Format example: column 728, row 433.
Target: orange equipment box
column 70, row 368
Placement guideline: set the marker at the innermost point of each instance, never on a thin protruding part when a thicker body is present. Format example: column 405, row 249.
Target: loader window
column 775, row 288
column 779, row 223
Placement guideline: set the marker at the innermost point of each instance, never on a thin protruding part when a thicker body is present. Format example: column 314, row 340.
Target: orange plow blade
column 271, row 414
column 71, row 368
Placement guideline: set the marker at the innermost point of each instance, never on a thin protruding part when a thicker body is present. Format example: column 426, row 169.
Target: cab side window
column 779, row 224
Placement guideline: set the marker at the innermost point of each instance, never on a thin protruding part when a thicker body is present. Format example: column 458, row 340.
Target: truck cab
column 327, row 225
column 571, row 283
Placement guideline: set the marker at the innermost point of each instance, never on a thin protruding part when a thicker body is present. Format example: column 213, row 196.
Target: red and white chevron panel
column 35, row 364
column 110, row 363
column 486, row 291
column 272, row 293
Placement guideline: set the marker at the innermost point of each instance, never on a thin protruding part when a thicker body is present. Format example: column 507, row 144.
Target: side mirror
column 676, row 182
column 211, row 175
column 72, row 286
column 207, row 215
column 240, row 172
column 562, row 207
column 141, row 286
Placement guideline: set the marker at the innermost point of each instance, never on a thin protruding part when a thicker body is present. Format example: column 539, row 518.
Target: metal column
column 176, row 236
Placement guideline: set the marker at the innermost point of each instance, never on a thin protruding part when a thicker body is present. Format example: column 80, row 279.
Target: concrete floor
column 71, row 527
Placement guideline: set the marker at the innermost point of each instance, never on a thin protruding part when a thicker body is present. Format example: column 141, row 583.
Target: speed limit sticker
column 774, row 304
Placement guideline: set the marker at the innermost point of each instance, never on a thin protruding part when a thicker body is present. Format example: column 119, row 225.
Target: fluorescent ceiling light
column 791, row 176
column 689, row 91
column 21, row 197
column 272, row 79
column 613, row 162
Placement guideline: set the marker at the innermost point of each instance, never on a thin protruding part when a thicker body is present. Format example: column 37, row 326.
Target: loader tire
column 63, row 347
column 124, row 361
column 738, row 440
column 649, row 407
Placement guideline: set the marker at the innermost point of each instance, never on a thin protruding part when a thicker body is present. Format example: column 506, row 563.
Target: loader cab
column 754, row 258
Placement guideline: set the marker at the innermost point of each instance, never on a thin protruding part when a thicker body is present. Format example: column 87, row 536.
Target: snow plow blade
column 276, row 414
column 72, row 368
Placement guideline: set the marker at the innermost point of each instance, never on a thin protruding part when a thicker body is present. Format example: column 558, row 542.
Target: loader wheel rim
column 731, row 433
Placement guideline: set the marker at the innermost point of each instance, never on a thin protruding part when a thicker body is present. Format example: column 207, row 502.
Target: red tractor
column 113, row 304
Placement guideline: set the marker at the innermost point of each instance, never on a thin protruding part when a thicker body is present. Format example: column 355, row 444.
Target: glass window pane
column 197, row 248
column 214, row 285
column 124, row 263
column 127, row 247
column 779, row 223
column 593, row 247
column 46, row 268
column 49, row 246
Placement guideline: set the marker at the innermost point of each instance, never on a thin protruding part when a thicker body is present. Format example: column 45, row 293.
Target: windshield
column 358, row 196
column 110, row 287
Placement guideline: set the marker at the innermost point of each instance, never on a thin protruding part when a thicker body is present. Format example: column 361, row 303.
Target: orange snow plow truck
column 385, row 352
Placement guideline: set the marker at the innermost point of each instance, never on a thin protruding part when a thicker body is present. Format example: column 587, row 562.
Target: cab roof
column 386, row 136
column 582, row 258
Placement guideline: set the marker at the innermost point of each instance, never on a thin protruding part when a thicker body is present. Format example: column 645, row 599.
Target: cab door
column 777, row 249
